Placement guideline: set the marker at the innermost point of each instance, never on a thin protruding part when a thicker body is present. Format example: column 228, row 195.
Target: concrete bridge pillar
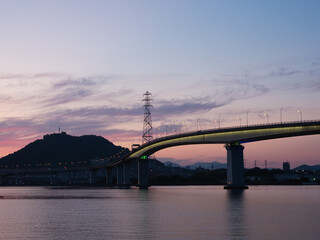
column 126, row 174
column 120, row 175
column 51, row 178
column 93, row 176
column 235, row 167
column 70, row 177
column 90, row 176
column 109, row 176
column 16, row 179
column 143, row 169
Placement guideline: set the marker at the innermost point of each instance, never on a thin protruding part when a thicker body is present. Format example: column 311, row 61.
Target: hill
column 205, row 165
column 208, row 165
column 61, row 150
column 308, row 167
column 172, row 164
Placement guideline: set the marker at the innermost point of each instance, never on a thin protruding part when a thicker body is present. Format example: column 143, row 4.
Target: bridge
column 233, row 138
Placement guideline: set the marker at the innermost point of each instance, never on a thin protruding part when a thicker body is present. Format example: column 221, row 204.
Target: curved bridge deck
column 230, row 135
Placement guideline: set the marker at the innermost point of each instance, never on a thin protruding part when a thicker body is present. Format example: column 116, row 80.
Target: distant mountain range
column 205, row 165
column 218, row 165
column 308, row 167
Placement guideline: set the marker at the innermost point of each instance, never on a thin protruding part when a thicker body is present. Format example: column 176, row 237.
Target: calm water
column 206, row 212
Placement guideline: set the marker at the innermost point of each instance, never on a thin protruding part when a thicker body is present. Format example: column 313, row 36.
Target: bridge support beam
column 109, row 176
column 16, row 182
column 53, row 178
column 235, row 167
column 120, row 175
column 93, row 176
column 126, row 174
column 143, row 169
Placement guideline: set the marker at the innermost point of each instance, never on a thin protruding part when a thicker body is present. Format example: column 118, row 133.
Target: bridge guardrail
column 228, row 128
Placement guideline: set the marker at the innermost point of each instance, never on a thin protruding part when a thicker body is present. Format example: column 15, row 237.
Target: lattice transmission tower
column 147, row 122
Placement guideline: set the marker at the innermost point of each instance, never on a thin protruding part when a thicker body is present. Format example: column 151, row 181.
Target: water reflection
column 143, row 227
column 191, row 212
column 236, row 218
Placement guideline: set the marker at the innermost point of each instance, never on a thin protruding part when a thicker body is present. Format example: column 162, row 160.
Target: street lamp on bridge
column 299, row 111
column 247, row 119
column 198, row 125
column 267, row 117
column 185, row 126
column 239, row 120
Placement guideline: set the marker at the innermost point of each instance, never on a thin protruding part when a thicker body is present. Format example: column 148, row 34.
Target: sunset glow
column 84, row 65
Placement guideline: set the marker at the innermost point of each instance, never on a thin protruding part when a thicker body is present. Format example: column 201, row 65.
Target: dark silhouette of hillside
column 61, row 150
column 308, row 167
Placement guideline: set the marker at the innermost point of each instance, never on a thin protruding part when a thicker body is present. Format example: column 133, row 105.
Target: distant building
column 286, row 166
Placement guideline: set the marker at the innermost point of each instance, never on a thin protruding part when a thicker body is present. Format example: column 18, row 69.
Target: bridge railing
column 251, row 126
column 262, row 124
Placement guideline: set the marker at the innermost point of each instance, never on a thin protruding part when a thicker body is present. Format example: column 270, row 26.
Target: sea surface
column 187, row 212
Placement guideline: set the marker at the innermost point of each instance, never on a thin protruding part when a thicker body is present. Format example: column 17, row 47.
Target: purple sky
column 84, row 65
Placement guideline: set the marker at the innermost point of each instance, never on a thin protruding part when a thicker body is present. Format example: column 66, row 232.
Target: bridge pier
column 109, row 176
column 126, row 174
column 235, row 167
column 143, row 169
column 120, row 174
column 92, row 176
column 16, row 179
column 70, row 177
column 53, row 178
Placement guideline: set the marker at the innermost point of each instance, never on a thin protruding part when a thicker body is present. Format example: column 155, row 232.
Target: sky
column 84, row 66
